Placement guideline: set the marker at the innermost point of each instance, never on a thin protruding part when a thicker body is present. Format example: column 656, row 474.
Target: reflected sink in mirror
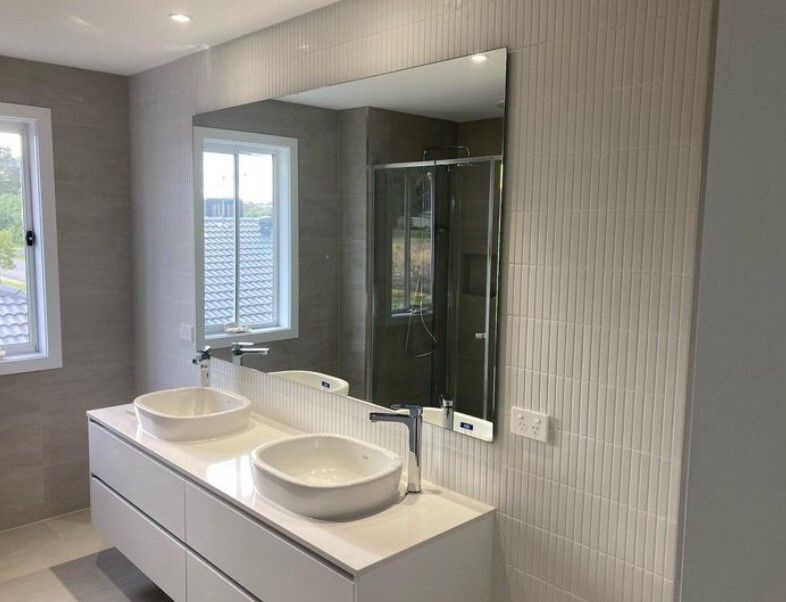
column 315, row 380
column 462, row 423
column 327, row 476
column 192, row 413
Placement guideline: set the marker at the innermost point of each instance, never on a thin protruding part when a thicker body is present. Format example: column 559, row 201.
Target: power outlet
column 531, row 425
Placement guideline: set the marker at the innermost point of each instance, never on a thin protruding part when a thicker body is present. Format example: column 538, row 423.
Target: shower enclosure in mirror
column 366, row 220
column 434, row 283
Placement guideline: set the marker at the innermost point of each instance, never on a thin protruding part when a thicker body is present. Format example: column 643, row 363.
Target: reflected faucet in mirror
column 448, row 407
column 202, row 359
column 239, row 349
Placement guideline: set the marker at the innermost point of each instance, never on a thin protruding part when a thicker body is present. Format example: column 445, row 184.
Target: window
column 246, row 189
column 29, row 294
column 411, row 242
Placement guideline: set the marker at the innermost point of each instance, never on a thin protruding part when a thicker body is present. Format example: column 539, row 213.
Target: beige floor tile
column 75, row 537
column 24, row 539
column 76, row 523
column 45, row 544
column 19, row 565
column 66, row 560
column 42, row 586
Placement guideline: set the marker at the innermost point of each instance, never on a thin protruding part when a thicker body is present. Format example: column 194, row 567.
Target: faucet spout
column 202, row 359
column 242, row 348
column 413, row 420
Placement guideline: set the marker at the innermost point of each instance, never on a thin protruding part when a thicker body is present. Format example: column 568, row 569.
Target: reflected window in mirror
column 411, row 244
column 246, row 188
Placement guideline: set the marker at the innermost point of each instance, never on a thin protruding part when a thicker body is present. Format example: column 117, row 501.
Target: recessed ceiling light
column 479, row 58
column 180, row 17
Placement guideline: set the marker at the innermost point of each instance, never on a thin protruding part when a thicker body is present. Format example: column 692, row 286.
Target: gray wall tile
column 93, row 201
column 22, row 496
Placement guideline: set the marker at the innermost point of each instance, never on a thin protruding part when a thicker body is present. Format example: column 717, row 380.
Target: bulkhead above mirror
column 353, row 231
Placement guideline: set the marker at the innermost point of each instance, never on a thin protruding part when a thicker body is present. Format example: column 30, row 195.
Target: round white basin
column 192, row 413
column 326, row 476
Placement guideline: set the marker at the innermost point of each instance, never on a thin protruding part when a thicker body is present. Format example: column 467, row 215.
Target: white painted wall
column 735, row 529
column 604, row 164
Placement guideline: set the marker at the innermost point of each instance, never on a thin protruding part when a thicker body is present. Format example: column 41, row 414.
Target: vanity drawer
column 269, row 567
column 147, row 484
column 156, row 553
column 205, row 584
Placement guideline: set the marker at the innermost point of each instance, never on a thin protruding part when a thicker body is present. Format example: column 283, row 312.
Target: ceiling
column 135, row 35
column 457, row 90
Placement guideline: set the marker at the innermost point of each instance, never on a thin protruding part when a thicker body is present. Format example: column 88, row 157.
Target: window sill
column 18, row 364
column 268, row 335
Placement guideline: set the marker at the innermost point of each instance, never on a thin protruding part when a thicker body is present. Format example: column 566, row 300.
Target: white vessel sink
column 315, row 380
column 192, row 413
column 326, row 476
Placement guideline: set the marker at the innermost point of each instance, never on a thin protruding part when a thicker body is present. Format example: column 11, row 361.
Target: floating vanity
column 189, row 516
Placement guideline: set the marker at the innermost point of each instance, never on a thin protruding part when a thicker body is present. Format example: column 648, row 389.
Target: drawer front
column 148, row 485
column 205, row 584
column 267, row 565
column 156, row 553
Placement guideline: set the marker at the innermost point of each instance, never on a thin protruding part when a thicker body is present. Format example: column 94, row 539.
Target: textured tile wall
column 43, row 431
column 606, row 117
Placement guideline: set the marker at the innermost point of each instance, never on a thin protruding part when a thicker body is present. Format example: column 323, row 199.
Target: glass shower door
column 472, row 294
column 402, row 286
column 434, row 280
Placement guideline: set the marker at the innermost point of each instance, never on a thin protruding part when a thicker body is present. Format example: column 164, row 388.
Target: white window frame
column 285, row 151
column 45, row 351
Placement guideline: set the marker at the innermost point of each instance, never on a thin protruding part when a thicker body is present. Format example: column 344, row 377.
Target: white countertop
column 224, row 467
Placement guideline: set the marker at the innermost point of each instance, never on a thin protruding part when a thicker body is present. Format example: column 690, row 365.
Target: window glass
column 257, row 274
column 399, row 251
column 220, row 239
column 420, row 245
column 411, row 230
column 16, row 321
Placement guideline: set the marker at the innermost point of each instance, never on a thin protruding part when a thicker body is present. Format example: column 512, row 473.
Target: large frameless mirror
column 353, row 232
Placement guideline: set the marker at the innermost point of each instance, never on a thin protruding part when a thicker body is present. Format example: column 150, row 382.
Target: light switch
column 532, row 425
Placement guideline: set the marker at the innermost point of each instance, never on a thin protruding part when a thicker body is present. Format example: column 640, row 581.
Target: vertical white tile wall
column 606, row 126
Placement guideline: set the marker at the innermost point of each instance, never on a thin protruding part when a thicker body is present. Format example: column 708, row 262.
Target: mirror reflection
column 347, row 238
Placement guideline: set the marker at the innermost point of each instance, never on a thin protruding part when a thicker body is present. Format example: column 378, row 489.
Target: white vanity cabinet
column 269, row 566
column 217, row 541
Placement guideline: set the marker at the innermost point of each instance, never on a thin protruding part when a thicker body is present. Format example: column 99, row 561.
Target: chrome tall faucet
column 413, row 420
column 242, row 348
column 202, row 359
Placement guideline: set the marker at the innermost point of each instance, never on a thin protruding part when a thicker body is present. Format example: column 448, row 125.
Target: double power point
column 531, row 425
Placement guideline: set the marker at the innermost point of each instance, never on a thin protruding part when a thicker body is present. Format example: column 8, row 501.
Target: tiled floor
column 66, row 560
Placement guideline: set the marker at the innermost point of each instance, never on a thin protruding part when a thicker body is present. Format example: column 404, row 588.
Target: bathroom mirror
column 354, row 232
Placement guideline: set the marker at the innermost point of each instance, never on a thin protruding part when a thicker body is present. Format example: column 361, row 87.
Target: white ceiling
column 130, row 36
column 456, row 90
